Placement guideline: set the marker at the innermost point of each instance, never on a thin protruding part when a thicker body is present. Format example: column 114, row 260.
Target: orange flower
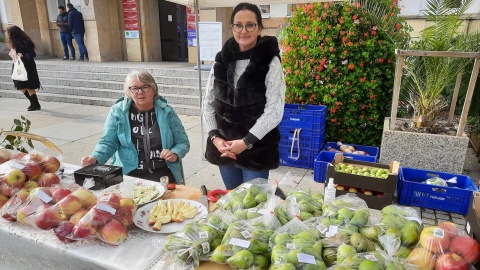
column 351, row 66
column 380, row 60
column 331, row 49
column 363, row 79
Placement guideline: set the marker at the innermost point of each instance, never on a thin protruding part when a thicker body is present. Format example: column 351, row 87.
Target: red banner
column 130, row 14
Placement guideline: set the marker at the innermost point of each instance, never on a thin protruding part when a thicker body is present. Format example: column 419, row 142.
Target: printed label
column 246, row 234
column 247, row 185
column 203, row 235
column 371, row 257
column 106, row 208
column 206, row 247
column 239, row 242
column 44, row 196
column 322, row 229
column 332, row 230
column 290, row 246
column 16, row 165
column 305, row 258
column 438, row 232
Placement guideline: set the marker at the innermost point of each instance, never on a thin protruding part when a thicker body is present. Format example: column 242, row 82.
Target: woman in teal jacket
column 148, row 155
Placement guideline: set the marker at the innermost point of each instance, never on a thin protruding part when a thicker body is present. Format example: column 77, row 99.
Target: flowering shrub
column 340, row 55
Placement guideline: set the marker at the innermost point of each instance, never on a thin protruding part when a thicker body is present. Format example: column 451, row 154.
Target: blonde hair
column 142, row 76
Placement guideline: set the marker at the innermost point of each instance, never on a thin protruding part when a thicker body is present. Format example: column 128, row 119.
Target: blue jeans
column 81, row 46
column 234, row 177
column 66, row 39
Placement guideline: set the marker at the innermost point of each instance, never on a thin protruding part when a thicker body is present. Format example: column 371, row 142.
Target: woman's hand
column 168, row 155
column 88, row 161
column 19, row 55
column 221, row 144
column 236, row 147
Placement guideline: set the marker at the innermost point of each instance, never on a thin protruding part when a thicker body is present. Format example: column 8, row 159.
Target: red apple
column 4, row 156
column 83, row 230
column 17, row 155
column 69, row 205
column 60, row 193
column 422, row 258
column 86, row 197
column 47, row 218
column 50, row 164
column 379, row 194
column 450, row 228
column 75, row 218
column 14, row 178
column 129, row 203
column 110, row 198
column 99, row 217
column 125, row 215
column 32, row 170
column 64, row 230
column 467, row 247
column 113, row 232
column 29, row 209
column 451, row 261
column 3, row 199
column 33, row 157
column 48, row 179
column 7, row 190
column 434, row 239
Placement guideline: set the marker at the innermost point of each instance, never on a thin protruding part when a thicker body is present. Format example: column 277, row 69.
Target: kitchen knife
column 203, row 200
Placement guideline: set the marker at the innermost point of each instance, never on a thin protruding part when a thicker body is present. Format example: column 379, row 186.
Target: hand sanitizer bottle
column 329, row 193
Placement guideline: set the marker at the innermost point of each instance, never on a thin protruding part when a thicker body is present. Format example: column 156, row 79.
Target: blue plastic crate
column 308, row 139
column 304, row 116
column 320, row 166
column 305, row 157
column 455, row 198
column 370, row 150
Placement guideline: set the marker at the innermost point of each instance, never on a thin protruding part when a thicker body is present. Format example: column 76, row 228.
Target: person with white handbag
column 24, row 71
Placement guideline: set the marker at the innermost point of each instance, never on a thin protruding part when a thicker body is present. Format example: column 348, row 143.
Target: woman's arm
column 208, row 112
column 108, row 143
column 181, row 144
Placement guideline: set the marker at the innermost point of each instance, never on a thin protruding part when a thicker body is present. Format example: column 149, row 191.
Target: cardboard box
column 103, row 176
column 373, row 202
column 473, row 220
column 387, row 185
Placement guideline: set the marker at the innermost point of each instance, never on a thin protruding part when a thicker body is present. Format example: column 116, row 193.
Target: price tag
column 439, row 232
column 371, row 257
column 246, row 234
column 291, row 246
column 203, row 235
column 44, row 196
column 247, row 185
column 239, row 242
column 332, row 230
column 206, row 247
column 305, row 258
column 16, row 165
column 106, row 208
column 322, row 229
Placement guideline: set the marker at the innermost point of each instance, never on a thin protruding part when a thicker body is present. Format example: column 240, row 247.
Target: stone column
column 25, row 15
column 151, row 46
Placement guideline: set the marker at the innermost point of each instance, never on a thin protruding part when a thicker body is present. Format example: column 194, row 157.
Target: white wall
column 278, row 11
column 415, row 7
column 4, row 12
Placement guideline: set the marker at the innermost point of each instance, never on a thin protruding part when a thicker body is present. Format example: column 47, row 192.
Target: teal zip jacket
column 116, row 139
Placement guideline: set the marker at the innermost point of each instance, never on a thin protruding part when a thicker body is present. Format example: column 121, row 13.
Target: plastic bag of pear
column 195, row 243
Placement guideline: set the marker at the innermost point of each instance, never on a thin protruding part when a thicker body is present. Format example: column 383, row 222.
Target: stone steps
column 102, row 83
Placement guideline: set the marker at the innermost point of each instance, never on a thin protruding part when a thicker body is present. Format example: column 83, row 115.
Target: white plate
column 141, row 217
column 138, row 182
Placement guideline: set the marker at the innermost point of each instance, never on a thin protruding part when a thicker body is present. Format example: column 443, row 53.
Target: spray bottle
column 329, row 193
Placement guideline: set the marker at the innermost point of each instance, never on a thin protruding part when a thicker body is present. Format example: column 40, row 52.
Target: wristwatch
column 249, row 145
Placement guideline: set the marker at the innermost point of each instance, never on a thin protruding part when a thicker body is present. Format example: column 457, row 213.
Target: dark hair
column 18, row 39
column 61, row 7
column 247, row 6
column 69, row 6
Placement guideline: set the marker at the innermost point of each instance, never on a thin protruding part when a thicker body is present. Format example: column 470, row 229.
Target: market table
column 25, row 247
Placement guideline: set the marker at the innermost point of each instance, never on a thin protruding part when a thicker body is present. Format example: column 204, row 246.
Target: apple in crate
column 4, row 156
column 32, row 170
column 339, row 187
column 86, row 197
column 69, row 205
column 353, row 189
column 48, row 180
column 47, row 218
column 59, row 193
column 50, row 164
column 14, row 178
column 64, row 230
column 75, row 218
column 110, row 198
column 114, row 232
column 368, row 192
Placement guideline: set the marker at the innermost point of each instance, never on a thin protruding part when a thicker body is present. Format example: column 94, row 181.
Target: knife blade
column 203, row 200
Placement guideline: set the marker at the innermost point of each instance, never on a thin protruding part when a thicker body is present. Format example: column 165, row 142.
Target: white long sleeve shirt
column 275, row 95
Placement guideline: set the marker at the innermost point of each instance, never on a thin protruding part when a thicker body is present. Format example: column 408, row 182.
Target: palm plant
column 428, row 79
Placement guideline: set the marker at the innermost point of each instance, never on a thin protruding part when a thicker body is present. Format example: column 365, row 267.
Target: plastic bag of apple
column 108, row 220
column 445, row 246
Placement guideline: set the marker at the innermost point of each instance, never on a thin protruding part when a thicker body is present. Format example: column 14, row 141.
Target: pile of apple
column 363, row 171
column 442, row 247
column 108, row 220
column 345, row 148
column 358, row 190
column 24, row 172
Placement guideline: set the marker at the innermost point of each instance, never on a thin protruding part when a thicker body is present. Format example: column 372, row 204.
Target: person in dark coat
column 65, row 35
column 22, row 46
column 77, row 28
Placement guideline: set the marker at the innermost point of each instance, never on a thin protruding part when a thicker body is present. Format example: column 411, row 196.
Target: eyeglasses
column 249, row 27
column 135, row 89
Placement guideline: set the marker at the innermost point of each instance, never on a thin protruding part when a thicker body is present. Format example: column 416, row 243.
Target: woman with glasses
column 142, row 133
column 244, row 101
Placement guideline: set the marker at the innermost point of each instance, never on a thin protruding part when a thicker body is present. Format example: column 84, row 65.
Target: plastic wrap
column 295, row 245
column 302, row 203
